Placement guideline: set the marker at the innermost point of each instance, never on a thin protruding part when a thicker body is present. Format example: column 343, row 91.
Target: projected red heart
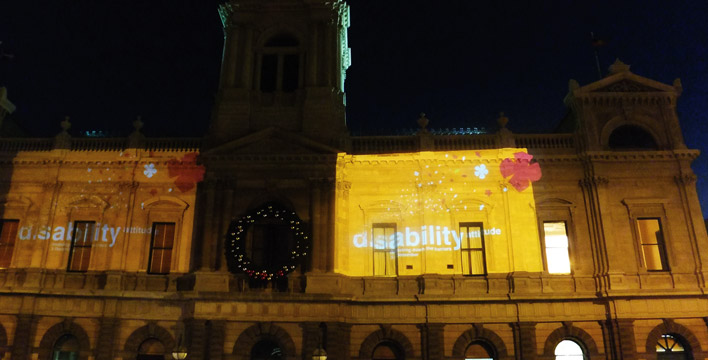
column 187, row 171
column 521, row 170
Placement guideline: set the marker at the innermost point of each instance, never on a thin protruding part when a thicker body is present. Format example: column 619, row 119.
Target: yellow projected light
column 456, row 212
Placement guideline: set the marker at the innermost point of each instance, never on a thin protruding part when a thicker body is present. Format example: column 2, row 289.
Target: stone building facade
column 279, row 233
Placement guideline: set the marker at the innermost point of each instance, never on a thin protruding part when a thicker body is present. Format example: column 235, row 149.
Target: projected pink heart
column 521, row 170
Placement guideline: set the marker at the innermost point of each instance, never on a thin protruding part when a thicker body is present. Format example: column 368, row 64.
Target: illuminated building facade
column 279, row 233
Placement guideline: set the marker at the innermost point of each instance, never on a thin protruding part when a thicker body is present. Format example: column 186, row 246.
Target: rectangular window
column 8, row 234
column 269, row 72
column 651, row 239
column 385, row 249
column 555, row 238
column 80, row 253
column 163, row 238
column 472, row 249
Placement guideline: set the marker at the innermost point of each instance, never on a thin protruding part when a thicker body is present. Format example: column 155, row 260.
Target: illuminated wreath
column 236, row 238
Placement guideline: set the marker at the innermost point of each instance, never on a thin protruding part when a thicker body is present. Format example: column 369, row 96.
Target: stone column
column 432, row 341
column 524, row 340
column 106, row 335
column 317, row 236
column 24, row 333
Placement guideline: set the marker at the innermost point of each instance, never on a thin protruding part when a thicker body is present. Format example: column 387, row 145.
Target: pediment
column 625, row 85
column 271, row 141
column 627, row 82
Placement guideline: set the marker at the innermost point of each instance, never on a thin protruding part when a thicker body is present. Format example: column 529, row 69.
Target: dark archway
column 477, row 334
column 631, row 137
column 136, row 341
column 386, row 336
column 61, row 330
column 261, row 335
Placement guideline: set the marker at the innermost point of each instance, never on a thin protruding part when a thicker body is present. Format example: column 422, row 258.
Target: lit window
column 555, row 237
column 8, row 234
column 385, row 249
column 163, row 237
column 569, row 350
column 66, row 348
column 651, row 239
column 670, row 348
column 81, row 240
column 472, row 249
column 478, row 351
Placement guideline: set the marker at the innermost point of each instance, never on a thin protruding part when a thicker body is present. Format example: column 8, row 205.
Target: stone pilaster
column 311, row 339
column 106, row 335
column 24, row 332
column 195, row 338
column 524, row 340
column 432, row 341
column 337, row 341
column 215, row 342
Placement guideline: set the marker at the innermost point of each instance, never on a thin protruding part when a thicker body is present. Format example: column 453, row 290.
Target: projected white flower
column 150, row 170
column 481, row 171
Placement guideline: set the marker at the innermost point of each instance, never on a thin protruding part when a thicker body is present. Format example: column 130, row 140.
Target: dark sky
column 461, row 62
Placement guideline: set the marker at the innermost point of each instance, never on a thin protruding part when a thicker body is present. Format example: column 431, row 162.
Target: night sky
column 461, row 62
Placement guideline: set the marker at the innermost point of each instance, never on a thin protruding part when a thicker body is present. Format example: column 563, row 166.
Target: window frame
column 660, row 245
column 73, row 246
column 280, row 52
column 13, row 241
column 544, row 246
column 394, row 251
column 649, row 208
column 152, row 247
column 557, row 210
column 483, row 249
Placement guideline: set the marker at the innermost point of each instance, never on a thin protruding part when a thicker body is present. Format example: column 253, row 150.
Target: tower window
column 280, row 65
column 630, row 137
column 651, row 239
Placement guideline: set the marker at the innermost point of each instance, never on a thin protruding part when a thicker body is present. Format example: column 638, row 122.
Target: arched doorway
column 569, row 350
column 151, row 349
column 66, row 348
column 387, row 350
column 671, row 347
column 479, row 351
column 267, row 350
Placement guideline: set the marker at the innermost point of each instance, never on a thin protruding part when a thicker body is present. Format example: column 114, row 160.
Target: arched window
column 629, row 137
column 479, row 351
column 266, row 350
column 66, row 348
column 569, row 350
column 280, row 65
column 670, row 347
column 151, row 349
column 387, row 351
